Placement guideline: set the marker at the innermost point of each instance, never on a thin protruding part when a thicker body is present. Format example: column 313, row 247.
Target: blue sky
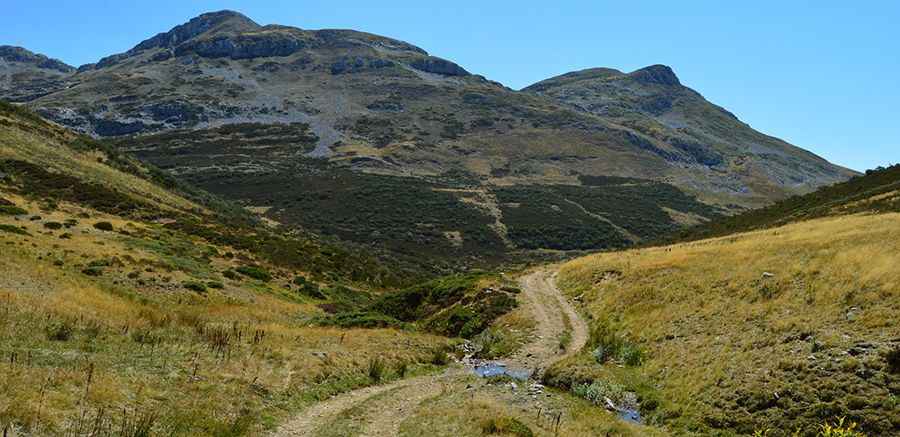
column 823, row 75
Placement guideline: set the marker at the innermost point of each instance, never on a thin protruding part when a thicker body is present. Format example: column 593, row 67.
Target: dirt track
column 379, row 410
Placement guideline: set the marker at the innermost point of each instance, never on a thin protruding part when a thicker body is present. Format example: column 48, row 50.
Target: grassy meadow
column 775, row 332
column 141, row 330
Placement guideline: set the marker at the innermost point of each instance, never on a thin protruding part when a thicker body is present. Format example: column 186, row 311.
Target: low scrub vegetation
column 255, row 272
column 877, row 191
column 615, row 214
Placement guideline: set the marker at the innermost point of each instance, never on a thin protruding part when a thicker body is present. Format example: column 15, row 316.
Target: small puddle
column 490, row 370
column 630, row 415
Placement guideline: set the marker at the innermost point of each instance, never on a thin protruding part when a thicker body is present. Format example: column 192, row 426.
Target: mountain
column 690, row 130
column 26, row 76
column 375, row 140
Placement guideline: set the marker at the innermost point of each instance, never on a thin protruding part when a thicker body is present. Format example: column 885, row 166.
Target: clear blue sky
column 824, row 75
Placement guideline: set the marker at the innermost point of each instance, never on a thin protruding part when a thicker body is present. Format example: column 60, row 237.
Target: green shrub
column 312, row 290
column 506, row 426
column 103, row 226
column 53, row 225
column 99, row 263
column 401, row 369
column 631, row 355
column 361, row 319
column 199, row 287
column 231, row 274
column 93, row 271
column 598, row 391
column 255, row 272
column 493, row 343
column 892, row 357
column 59, row 331
column 13, row 229
column 609, row 345
column 215, row 284
column 12, row 210
column 439, row 357
column 375, row 369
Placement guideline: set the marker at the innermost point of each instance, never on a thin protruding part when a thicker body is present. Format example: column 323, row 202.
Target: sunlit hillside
column 133, row 305
column 777, row 330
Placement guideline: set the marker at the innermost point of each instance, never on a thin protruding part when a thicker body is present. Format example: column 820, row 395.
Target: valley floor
column 457, row 403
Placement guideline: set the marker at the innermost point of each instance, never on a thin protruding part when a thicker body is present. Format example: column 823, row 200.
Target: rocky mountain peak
column 211, row 22
column 25, row 56
column 220, row 25
column 656, row 75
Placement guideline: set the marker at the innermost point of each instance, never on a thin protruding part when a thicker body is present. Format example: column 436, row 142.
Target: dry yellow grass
column 759, row 330
column 134, row 343
column 49, row 150
column 466, row 405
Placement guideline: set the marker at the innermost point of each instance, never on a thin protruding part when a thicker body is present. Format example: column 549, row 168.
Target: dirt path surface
column 379, row 410
column 555, row 316
column 402, row 397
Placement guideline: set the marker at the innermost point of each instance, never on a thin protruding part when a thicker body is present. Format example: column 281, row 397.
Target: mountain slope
column 388, row 105
column 261, row 114
column 653, row 101
column 877, row 191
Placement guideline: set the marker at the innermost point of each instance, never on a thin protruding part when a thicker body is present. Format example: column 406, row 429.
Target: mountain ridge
column 367, row 109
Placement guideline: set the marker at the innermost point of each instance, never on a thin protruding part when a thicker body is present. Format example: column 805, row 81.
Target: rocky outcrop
column 243, row 46
column 196, row 27
column 656, row 74
column 433, row 64
column 359, row 64
column 227, row 23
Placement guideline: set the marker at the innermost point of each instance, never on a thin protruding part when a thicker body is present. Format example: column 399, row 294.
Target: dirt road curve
column 555, row 315
column 379, row 410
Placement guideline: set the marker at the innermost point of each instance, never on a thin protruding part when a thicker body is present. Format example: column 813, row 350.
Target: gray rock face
column 24, row 56
column 358, row 64
column 433, row 64
column 226, row 22
column 243, row 46
column 656, row 74
column 109, row 128
column 196, row 27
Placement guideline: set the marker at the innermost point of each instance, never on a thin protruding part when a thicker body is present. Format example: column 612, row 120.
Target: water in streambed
column 492, row 369
column 630, row 415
